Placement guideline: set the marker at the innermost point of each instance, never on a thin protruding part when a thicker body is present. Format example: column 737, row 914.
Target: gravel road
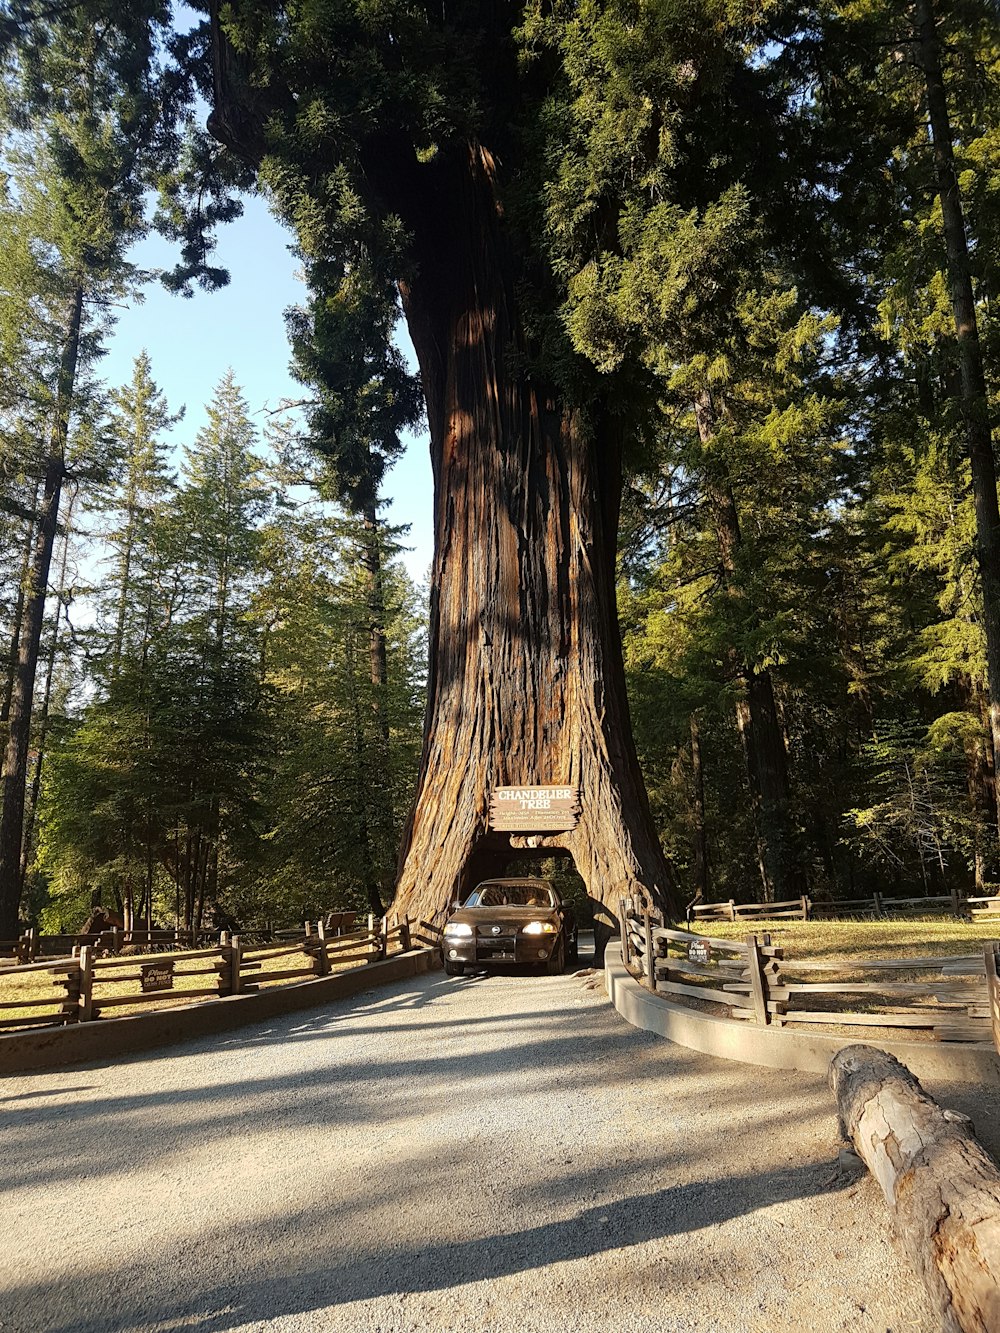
column 494, row 1153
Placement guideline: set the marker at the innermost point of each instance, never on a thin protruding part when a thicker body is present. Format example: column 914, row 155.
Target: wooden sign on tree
column 534, row 809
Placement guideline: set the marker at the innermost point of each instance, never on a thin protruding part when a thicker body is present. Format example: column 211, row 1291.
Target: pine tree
column 82, row 106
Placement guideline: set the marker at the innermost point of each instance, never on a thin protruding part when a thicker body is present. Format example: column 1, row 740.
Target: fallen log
column 942, row 1187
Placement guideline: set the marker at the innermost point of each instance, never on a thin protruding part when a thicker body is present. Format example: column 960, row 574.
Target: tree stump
column 942, row 1187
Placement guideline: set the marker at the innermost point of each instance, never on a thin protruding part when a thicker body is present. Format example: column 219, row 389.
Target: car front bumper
column 491, row 951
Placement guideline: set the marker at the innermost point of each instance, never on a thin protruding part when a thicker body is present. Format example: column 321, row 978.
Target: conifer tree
column 81, row 112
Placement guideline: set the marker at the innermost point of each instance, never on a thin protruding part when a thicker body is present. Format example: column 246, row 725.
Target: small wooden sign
column 156, row 976
column 534, row 809
column 699, row 952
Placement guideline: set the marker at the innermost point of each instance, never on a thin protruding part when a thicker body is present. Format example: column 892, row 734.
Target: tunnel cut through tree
column 526, row 680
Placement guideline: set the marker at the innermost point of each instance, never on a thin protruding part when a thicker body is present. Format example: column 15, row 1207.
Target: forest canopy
column 703, row 300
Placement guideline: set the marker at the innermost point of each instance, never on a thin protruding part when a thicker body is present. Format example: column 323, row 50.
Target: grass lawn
column 924, row 937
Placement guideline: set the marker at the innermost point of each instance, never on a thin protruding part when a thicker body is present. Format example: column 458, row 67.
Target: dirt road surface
column 479, row 1153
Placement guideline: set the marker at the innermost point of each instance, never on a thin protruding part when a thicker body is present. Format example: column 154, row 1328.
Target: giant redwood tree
column 451, row 159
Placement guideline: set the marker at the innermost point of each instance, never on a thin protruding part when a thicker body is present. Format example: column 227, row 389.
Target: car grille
column 501, row 945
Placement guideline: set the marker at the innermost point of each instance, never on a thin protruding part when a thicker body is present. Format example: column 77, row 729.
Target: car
column 505, row 922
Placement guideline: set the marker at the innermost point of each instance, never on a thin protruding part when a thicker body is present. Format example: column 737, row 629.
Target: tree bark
column 15, row 765
column 35, row 788
column 699, row 838
column 379, row 823
column 973, row 392
column 18, row 617
column 526, row 681
column 942, row 1187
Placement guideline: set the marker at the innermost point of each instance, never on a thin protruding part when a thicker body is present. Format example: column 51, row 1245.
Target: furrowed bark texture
column 942, row 1187
column 526, row 681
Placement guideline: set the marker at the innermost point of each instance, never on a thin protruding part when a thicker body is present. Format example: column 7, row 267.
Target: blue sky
column 192, row 343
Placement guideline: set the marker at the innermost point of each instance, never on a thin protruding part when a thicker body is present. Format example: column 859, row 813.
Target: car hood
column 484, row 916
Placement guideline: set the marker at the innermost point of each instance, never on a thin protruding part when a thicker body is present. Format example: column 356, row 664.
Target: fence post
column 86, row 1004
column 322, row 957
column 647, row 926
column 626, row 943
column 383, row 938
column 235, row 964
column 404, row 935
column 732, row 909
column 805, row 907
column 71, row 1005
column 755, row 974
column 992, row 952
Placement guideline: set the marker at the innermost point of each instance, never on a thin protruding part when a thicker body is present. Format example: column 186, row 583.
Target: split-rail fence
column 878, row 905
column 953, row 999
column 96, row 982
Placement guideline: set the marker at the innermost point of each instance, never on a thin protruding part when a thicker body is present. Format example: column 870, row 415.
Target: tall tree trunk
column 366, row 785
column 379, row 817
column 699, row 839
column 973, row 394
column 15, row 764
column 757, row 716
column 526, row 680
column 18, row 617
column 43, row 713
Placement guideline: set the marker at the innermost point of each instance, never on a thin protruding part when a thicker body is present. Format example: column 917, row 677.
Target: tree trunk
column 699, row 840
column 942, row 1187
column 41, row 744
column 379, row 820
column 757, row 715
column 526, row 681
column 784, row 875
column 973, row 393
column 15, row 765
column 17, row 619
column 368, row 789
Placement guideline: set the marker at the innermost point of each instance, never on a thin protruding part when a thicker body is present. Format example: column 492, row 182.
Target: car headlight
column 540, row 928
column 457, row 928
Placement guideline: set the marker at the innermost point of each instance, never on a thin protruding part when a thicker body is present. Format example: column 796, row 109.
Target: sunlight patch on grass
column 910, row 938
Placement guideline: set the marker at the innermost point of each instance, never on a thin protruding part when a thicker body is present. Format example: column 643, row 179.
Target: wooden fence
column 31, row 946
column 798, row 908
column 947, row 999
column 879, row 905
column 92, row 983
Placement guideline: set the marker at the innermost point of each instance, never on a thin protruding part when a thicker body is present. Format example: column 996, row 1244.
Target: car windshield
column 512, row 895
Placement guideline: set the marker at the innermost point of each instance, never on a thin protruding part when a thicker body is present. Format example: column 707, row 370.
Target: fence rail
column 82, row 988
column 31, row 946
column 954, row 999
column 881, row 905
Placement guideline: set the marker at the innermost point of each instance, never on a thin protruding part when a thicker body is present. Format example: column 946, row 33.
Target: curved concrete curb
column 108, row 1038
column 780, row 1048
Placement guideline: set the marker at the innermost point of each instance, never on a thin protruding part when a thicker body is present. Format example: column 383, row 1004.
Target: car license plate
column 503, row 949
